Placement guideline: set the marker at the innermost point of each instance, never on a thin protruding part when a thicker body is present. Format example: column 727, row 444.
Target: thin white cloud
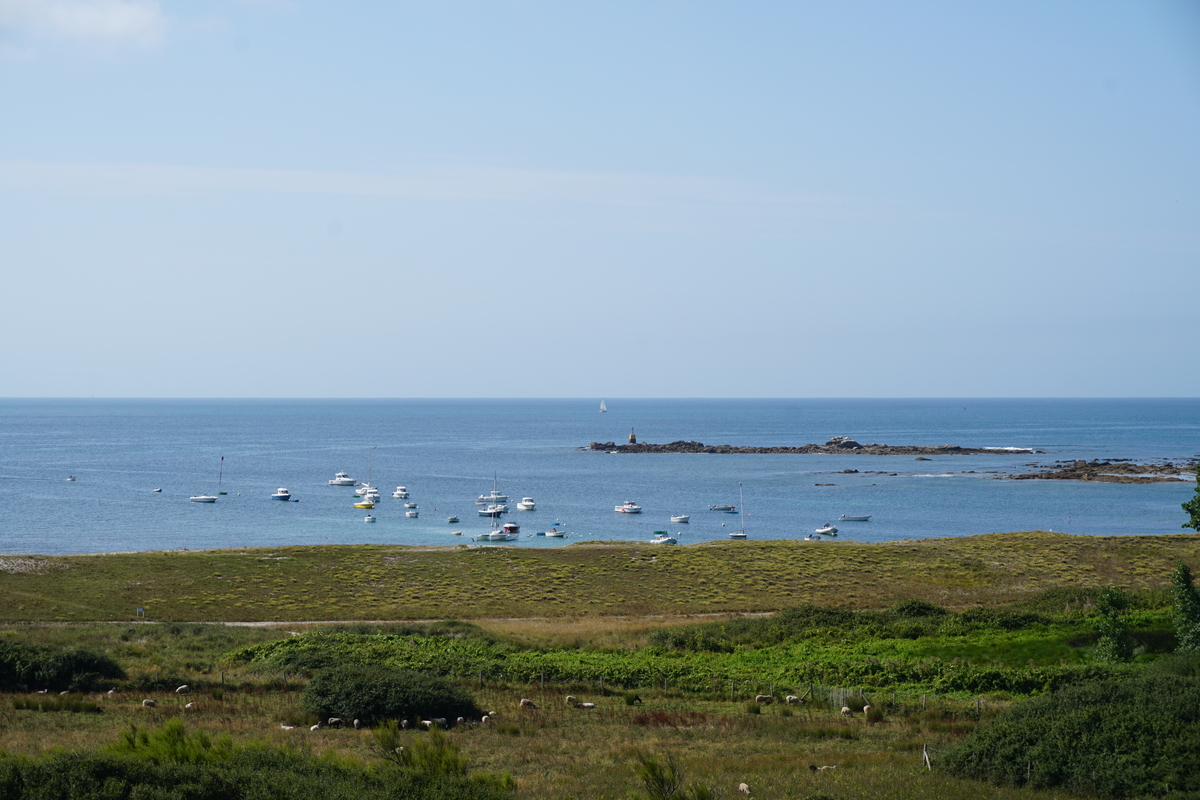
column 423, row 183
column 95, row 21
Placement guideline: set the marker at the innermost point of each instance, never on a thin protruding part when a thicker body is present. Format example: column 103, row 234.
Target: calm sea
column 447, row 451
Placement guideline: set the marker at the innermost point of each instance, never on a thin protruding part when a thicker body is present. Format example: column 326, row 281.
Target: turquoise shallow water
column 446, row 452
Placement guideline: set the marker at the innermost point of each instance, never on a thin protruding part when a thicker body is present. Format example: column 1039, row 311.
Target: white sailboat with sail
column 603, row 408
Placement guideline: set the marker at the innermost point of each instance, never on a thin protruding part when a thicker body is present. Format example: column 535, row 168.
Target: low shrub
column 376, row 693
column 76, row 669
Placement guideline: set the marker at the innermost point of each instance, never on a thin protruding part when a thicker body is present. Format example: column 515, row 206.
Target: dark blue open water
column 446, row 451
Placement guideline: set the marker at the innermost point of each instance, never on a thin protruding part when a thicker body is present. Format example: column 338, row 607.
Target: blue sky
column 654, row 199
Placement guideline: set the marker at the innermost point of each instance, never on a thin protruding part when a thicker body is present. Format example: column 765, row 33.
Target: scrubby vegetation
column 1139, row 737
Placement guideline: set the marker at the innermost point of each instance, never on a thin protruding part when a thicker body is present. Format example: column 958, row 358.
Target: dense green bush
column 374, row 693
column 1137, row 737
column 54, row 669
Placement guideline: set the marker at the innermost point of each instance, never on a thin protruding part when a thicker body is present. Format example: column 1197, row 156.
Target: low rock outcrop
column 836, row 445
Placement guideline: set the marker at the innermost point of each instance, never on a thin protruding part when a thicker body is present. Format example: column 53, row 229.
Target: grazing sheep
column 527, row 703
column 112, row 691
column 42, row 691
column 185, row 689
column 763, row 698
column 815, row 768
column 572, row 699
column 487, row 720
column 189, row 706
column 60, row 694
column 149, row 704
column 791, row 699
column 404, row 724
column 316, row 727
column 287, row 727
column 440, row 721
column 492, row 714
column 459, row 721
column 743, row 788
column 334, row 722
column 866, row 710
column 356, row 724
column 585, row 705
column 428, row 723
column 846, row 711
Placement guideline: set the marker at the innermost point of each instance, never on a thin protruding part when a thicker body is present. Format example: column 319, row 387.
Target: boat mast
column 742, row 504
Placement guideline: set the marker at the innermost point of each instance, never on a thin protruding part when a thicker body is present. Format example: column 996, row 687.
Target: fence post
column 925, row 757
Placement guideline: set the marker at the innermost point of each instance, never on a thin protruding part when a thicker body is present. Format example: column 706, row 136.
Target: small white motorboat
column 502, row 536
column 526, row 504
column 70, row 477
column 368, row 518
column 365, row 488
column 662, row 537
column 410, row 504
column 554, row 533
column 494, row 510
column 158, row 490
column 401, row 493
column 726, row 509
column 411, row 514
column 282, row 494
column 342, row 479
column 204, row 498
column 679, row 519
column 853, row 518
column 737, row 534
column 628, row 507
column 511, row 527
column 828, row 529
column 450, row 520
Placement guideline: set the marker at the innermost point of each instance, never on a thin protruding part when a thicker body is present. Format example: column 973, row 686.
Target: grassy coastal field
column 938, row 636
column 366, row 582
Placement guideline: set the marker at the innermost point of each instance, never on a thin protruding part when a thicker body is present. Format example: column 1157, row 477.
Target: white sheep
column 487, row 720
column 743, row 788
column 459, row 721
column 585, row 705
column 183, row 689
column 791, row 699
column 149, row 704
column 316, row 727
column 846, row 711
column 572, row 699
column 189, row 706
column 527, row 703
column 356, row 724
column 112, row 691
column 60, row 694
column 334, row 722
column 763, row 698
column 287, row 727
column 441, row 722
column 404, row 724
column 866, row 709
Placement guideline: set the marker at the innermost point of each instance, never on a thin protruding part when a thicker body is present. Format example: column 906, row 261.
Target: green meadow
column 672, row 645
